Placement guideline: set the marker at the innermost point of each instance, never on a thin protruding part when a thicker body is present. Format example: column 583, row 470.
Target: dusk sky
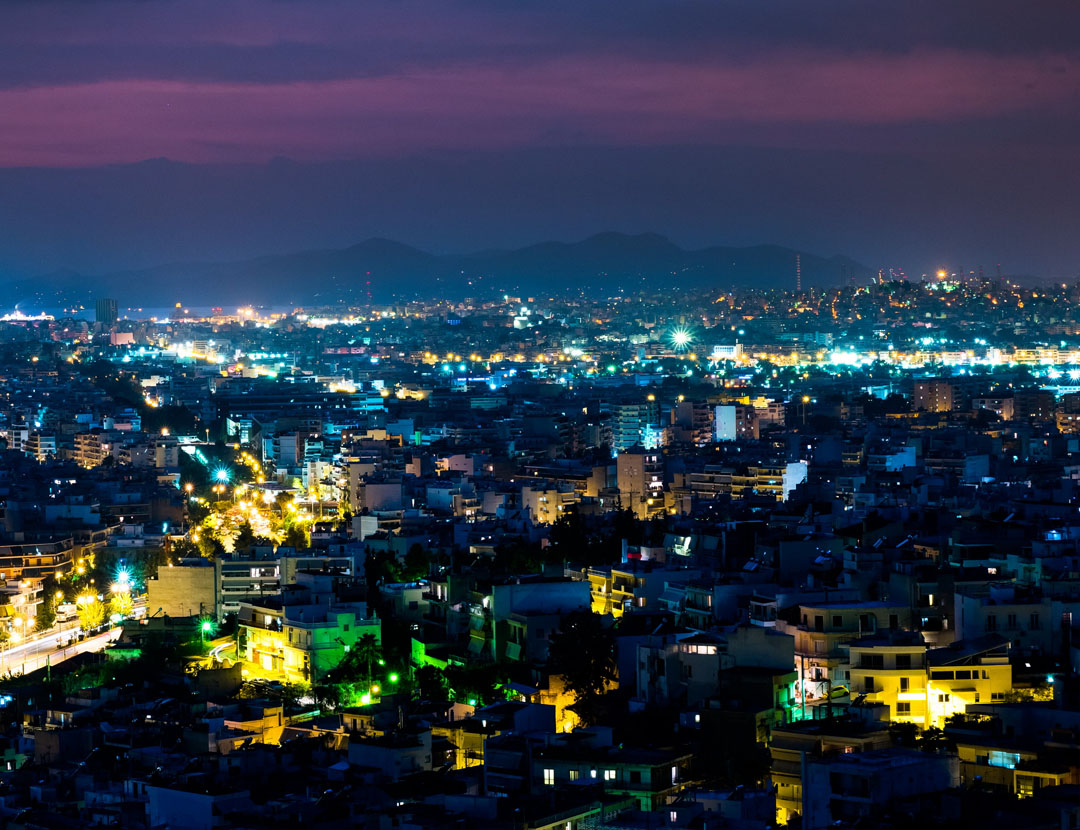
column 905, row 134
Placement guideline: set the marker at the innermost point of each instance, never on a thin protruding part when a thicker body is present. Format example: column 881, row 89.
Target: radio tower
column 798, row 273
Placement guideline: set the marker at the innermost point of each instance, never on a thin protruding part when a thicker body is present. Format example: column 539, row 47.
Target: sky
column 908, row 134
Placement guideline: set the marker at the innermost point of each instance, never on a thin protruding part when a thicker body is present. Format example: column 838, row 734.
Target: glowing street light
column 681, row 338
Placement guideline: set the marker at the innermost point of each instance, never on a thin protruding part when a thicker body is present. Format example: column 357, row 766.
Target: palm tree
column 368, row 651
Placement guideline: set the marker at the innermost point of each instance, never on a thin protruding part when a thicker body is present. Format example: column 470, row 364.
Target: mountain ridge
column 385, row 269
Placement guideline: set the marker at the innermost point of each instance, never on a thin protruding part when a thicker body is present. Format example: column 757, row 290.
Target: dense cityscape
column 710, row 560
column 515, row 415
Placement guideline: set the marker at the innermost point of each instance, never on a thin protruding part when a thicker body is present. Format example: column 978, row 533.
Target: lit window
column 549, row 778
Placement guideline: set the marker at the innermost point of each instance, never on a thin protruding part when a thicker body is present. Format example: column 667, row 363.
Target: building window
column 674, row 775
column 1010, row 622
column 549, row 778
column 575, row 774
column 609, row 775
column 635, row 776
column 903, row 661
column 837, row 621
column 904, row 683
column 903, row 708
column 1033, row 622
column 991, row 622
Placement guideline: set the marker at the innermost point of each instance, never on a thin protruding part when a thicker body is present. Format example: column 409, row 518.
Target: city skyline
column 539, row 415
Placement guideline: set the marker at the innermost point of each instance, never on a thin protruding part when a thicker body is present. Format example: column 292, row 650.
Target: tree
column 380, row 566
column 183, row 549
column 121, row 604
column 904, row 734
column 297, row 537
column 46, row 615
column 196, row 512
column 934, row 740
column 368, row 652
column 476, row 684
column 209, row 546
column 91, row 612
column 416, row 563
column 518, row 556
column 430, row 683
column 358, row 663
column 568, row 531
column 583, row 652
column 245, row 537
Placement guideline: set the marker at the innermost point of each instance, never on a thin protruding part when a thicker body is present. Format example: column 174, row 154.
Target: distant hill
column 600, row 265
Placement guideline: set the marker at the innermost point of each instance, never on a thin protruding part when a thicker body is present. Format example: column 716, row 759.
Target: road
column 35, row 654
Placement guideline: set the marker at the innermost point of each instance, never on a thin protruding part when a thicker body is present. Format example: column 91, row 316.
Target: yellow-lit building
column 927, row 686
column 890, row 669
column 821, row 635
column 968, row 671
column 633, row 584
column 305, row 631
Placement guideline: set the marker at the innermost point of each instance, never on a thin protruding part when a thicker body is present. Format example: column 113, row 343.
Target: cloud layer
column 115, row 81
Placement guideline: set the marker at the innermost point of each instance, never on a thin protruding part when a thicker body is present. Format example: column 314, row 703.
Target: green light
column 382, row 662
column 365, row 699
column 472, row 701
column 393, row 678
column 207, row 626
